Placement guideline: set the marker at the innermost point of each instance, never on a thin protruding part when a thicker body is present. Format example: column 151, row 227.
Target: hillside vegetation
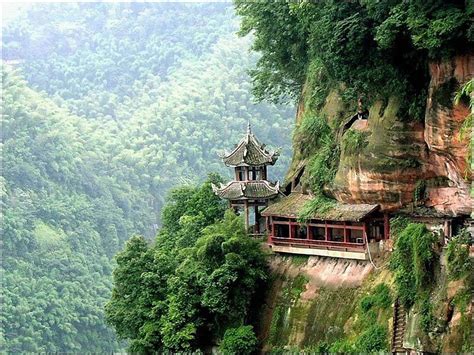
column 196, row 283
column 106, row 107
column 405, row 61
column 327, row 55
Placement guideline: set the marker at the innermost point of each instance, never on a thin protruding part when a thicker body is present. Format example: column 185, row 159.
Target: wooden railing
column 320, row 244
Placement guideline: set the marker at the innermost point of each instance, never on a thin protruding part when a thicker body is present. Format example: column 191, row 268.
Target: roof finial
column 249, row 130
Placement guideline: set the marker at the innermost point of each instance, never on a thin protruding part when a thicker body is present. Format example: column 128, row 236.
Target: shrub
column 366, row 303
column 427, row 319
column 310, row 134
column 320, row 348
column 461, row 301
column 457, row 255
column 323, row 165
column 240, row 340
column 354, row 141
column 341, row 347
column 380, row 298
column 423, row 255
column 382, row 295
column 373, row 339
column 397, row 225
column 413, row 262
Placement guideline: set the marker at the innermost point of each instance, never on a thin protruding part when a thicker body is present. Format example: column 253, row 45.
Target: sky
column 11, row 9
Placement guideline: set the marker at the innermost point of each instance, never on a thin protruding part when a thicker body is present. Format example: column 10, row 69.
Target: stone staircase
column 399, row 324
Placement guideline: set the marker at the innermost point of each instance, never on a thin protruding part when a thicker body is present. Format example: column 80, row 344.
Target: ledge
column 355, row 255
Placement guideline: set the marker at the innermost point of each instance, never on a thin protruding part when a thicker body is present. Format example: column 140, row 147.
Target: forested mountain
column 107, row 107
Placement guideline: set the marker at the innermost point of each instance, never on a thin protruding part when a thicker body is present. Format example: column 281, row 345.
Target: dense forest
column 204, row 297
column 106, row 107
column 113, row 118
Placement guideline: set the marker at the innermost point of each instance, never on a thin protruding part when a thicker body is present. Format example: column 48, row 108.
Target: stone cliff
column 399, row 156
column 322, row 305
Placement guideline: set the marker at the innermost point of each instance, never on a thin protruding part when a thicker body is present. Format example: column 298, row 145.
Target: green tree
column 375, row 48
column 241, row 340
column 193, row 293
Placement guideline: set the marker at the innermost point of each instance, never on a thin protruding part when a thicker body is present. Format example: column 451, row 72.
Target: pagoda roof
column 292, row 205
column 250, row 152
column 247, row 190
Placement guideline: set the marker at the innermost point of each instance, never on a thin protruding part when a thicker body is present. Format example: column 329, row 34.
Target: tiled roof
column 242, row 190
column 249, row 152
column 424, row 212
column 292, row 205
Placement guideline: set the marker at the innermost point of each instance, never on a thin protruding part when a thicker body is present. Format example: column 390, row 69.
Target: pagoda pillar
column 246, row 211
column 257, row 224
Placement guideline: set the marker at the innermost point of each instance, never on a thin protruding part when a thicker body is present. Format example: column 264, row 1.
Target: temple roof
column 245, row 190
column 292, row 205
column 424, row 212
column 250, row 152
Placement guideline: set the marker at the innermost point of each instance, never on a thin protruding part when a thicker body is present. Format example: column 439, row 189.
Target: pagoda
column 250, row 189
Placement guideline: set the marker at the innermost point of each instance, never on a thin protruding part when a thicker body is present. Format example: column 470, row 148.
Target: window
column 299, row 232
column 317, row 233
column 354, row 235
column 239, row 172
column 282, row 231
column 255, row 174
column 336, row 234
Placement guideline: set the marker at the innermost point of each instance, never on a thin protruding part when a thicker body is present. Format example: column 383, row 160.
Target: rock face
column 399, row 155
column 312, row 301
column 447, row 152
column 387, row 167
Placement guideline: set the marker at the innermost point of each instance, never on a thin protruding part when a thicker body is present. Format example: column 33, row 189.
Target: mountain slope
column 88, row 163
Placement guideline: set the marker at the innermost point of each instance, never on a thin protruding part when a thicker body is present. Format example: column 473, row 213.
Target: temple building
column 342, row 231
column 250, row 191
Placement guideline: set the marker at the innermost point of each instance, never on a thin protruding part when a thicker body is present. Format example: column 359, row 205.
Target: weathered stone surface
column 361, row 125
column 398, row 154
column 385, row 171
column 443, row 120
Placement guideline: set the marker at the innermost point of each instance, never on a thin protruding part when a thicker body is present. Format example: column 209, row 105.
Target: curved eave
column 244, row 190
column 240, row 153
column 251, row 165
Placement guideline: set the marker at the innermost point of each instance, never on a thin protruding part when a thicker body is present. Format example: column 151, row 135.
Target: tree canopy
column 197, row 280
column 375, row 48
column 106, row 108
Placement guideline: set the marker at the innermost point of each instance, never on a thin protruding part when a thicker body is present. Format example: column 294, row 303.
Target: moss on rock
column 307, row 314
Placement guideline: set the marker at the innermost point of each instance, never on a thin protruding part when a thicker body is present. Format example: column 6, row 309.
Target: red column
column 345, row 233
column 269, row 232
column 308, row 232
column 272, row 226
column 290, row 225
column 326, row 234
column 386, row 226
column 366, row 241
